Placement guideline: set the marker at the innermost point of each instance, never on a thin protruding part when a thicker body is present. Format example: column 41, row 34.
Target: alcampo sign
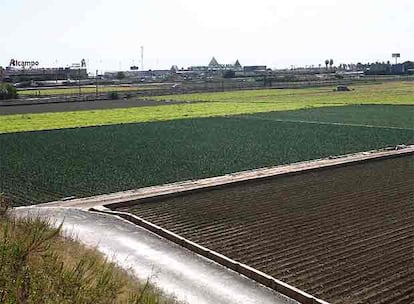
column 23, row 64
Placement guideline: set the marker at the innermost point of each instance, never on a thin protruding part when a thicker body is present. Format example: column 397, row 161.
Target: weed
column 37, row 265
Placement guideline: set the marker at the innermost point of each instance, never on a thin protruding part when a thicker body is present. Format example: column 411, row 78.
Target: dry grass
column 38, row 265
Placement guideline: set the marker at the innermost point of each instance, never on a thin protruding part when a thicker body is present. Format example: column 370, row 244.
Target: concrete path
column 191, row 278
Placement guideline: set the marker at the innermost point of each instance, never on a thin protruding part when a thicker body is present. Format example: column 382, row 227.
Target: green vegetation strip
column 61, row 120
column 84, row 90
column 43, row 166
column 217, row 104
column 384, row 93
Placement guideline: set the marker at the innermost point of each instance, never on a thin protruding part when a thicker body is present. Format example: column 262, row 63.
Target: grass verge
column 38, row 265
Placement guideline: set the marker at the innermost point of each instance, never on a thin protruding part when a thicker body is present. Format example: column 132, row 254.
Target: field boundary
column 136, row 196
column 316, row 122
column 249, row 272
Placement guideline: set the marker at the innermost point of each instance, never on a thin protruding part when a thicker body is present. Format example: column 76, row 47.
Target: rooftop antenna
column 142, row 58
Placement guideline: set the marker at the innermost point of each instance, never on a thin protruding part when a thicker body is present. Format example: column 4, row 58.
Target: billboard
column 23, row 64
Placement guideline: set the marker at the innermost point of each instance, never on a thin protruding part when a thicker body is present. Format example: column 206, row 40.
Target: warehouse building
column 28, row 71
column 14, row 75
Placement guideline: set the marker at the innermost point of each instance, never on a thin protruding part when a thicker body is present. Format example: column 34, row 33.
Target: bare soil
column 81, row 106
column 344, row 235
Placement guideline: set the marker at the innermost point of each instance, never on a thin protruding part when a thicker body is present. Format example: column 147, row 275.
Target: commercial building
column 214, row 66
column 15, row 75
column 140, row 75
column 28, row 71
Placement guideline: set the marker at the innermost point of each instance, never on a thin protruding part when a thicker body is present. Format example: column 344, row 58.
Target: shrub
column 229, row 74
column 7, row 91
column 113, row 95
column 120, row 75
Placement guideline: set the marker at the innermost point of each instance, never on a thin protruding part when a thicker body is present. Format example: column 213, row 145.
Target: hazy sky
column 109, row 33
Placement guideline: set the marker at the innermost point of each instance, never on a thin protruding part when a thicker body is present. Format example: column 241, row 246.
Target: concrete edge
column 249, row 272
column 256, row 175
column 146, row 194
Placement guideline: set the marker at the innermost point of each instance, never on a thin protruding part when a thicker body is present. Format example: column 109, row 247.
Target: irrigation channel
column 179, row 266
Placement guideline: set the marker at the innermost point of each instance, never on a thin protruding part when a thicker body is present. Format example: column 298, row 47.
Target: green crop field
column 388, row 93
column 84, row 90
column 216, row 104
column 43, row 166
column 357, row 115
column 61, row 120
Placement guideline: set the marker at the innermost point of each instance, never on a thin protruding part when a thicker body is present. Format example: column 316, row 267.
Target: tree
column 120, row 75
column 326, row 63
column 229, row 74
column 113, row 95
column 331, row 62
column 7, row 91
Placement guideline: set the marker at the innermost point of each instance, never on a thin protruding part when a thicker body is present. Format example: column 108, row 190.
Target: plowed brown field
column 344, row 235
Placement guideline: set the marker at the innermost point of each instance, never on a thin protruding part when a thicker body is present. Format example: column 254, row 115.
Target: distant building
column 214, row 66
column 409, row 67
column 398, row 69
column 254, row 68
column 385, row 69
column 150, row 74
column 14, row 75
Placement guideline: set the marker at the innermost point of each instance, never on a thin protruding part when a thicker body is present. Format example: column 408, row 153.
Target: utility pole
column 96, row 84
column 79, row 86
column 142, row 58
column 56, row 70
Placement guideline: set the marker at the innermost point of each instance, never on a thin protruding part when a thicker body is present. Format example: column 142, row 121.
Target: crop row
column 369, row 115
column 351, row 242
column 37, row 167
